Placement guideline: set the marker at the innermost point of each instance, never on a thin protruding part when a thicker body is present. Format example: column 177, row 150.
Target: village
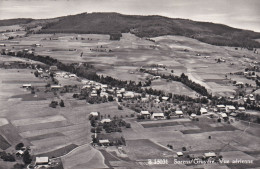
column 61, row 104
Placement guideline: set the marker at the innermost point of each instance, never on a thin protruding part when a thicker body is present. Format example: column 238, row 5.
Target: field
column 131, row 52
column 25, row 117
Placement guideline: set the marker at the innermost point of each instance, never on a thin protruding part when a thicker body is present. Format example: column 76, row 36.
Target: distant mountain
column 151, row 26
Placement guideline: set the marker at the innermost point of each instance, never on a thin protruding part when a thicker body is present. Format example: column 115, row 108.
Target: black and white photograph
column 129, row 84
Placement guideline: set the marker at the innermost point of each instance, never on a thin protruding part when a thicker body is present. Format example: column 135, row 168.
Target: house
column 19, row 153
column 102, row 94
column 37, row 45
column 145, row 113
column 239, row 83
column 119, row 95
column 179, row 113
column 94, row 114
column 179, row 154
column 144, row 99
column 105, row 121
column 56, row 87
column 93, row 94
column 122, row 90
column 53, row 68
column 104, row 142
column 42, row 161
column 86, row 86
column 230, row 109
column 72, row 75
column 27, row 85
column 203, row 111
column 210, row 155
column 224, row 116
column 104, row 86
column 129, row 95
column 158, row 116
column 193, row 116
column 165, row 98
column 234, row 114
column 221, row 107
column 156, row 77
column 241, row 109
column 84, row 81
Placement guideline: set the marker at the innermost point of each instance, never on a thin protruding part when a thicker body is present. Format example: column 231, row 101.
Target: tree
column 110, row 98
column 27, row 157
column 62, row 103
column 19, row 146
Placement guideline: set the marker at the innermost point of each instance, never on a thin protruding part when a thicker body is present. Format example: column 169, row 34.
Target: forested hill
column 152, row 26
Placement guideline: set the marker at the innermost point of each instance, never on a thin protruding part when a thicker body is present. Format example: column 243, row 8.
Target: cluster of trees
column 7, row 156
column 54, row 104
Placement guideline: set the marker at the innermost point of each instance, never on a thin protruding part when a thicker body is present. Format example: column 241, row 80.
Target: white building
column 203, row 111
column 178, row 113
column 42, row 161
column 158, row 116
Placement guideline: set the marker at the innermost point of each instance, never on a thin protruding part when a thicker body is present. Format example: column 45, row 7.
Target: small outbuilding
column 42, row 161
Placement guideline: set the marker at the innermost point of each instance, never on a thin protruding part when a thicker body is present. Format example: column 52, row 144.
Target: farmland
column 35, row 116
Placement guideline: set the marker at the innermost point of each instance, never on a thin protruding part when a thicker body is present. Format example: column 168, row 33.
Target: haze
column 236, row 13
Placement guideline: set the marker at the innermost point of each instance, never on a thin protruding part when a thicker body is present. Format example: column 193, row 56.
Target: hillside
column 152, row 26
column 9, row 22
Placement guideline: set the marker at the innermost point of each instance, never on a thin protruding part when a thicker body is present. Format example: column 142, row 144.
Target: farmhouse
column 129, row 95
column 165, row 98
column 203, row 110
column 93, row 94
column 85, row 81
column 19, row 153
column 193, row 116
column 145, row 113
column 221, row 107
column 72, row 75
column 157, row 116
column 210, row 154
column 53, row 68
column 103, row 94
column 224, row 116
column 241, row 109
column 94, row 114
column 179, row 154
column 56, row 87
column 105, row 121
column 104, row 142
column 179, row 113
column 230, row 109
column 144, row 99
column 42, row 161
column 27, row 85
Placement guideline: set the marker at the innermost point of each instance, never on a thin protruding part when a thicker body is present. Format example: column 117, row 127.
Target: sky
column 243, row 14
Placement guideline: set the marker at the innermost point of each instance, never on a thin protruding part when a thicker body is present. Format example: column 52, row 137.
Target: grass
column 59, row 152
column 143, row 149
column 3, row 143
column 44, row 136
column 160, row 124
column 28, row 97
